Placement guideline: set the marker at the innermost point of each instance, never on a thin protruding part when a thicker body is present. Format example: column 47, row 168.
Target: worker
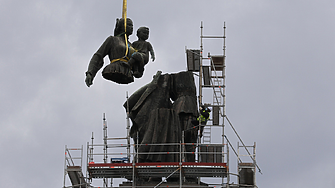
column 203, row 118
column 204, row 115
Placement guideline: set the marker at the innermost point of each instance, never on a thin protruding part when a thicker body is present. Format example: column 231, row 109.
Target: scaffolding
column 246, row 170
column 125, row 164
column 118, row 157
column 73, row 167
column 212, row 76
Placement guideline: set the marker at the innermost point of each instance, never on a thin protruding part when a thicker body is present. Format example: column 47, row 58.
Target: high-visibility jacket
column 204, row 116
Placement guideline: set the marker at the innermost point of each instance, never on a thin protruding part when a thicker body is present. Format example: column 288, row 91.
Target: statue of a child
column 140, row 58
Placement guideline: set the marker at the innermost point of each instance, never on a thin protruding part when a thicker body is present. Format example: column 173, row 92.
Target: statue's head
column 143, row 33
column 119, row 27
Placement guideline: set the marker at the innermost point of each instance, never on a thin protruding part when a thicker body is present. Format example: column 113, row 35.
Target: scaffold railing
column 73, row 168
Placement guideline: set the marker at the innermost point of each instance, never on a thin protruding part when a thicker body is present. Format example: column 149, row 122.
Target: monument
column 161, row 112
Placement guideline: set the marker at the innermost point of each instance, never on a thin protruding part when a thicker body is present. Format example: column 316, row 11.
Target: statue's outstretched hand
column 89, row 79
column 153, row 58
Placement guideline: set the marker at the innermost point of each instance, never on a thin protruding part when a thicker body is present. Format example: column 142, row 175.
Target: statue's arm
column 151, row 50
column 97, row 62
column 95, row 65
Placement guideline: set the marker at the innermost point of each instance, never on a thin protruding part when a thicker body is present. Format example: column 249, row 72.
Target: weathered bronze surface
column 158, row 120
column 140, row 58
column 126, row 62
column 185, row 105
column 115, row 47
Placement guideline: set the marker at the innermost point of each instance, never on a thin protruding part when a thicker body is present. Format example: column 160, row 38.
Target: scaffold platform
column 156, row 169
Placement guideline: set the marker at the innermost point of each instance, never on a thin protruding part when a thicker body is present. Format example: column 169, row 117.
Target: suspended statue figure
column 119, row 51
column 140, row 58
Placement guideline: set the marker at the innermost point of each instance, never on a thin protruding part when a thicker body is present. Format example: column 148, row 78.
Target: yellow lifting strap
column 124, row 16
column 124, row 11
column 120, row 59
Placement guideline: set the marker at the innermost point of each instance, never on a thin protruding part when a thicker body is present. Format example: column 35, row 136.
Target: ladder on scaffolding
column 73, row 167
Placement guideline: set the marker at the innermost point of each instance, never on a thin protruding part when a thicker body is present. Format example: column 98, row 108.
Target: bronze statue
column 140, row 58
column 118, row 52
column 185, row 105
column 156, row 120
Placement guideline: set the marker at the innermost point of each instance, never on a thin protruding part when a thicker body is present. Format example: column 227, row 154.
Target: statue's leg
column 138, row 66
column 131, row 63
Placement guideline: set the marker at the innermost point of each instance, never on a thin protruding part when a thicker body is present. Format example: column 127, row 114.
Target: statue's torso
column 116, row 48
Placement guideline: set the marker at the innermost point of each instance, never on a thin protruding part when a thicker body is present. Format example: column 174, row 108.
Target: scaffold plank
column 125, row 170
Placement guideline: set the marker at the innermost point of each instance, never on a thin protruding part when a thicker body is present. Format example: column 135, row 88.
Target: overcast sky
column 280, row 81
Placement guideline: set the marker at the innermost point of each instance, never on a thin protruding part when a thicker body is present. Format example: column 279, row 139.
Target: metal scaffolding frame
column 120, row 166
column 73, row 164
column 246, row 170
column 212, row 75
column 212, row 160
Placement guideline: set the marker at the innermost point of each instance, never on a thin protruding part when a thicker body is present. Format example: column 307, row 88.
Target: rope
column 124, row 16
column 120, row 59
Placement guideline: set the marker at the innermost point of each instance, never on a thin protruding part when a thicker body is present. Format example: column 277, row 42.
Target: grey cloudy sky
column 280, row 92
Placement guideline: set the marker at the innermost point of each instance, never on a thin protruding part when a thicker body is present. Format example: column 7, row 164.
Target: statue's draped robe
column 118, row 71
column 185, row 105
column 155, row 121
